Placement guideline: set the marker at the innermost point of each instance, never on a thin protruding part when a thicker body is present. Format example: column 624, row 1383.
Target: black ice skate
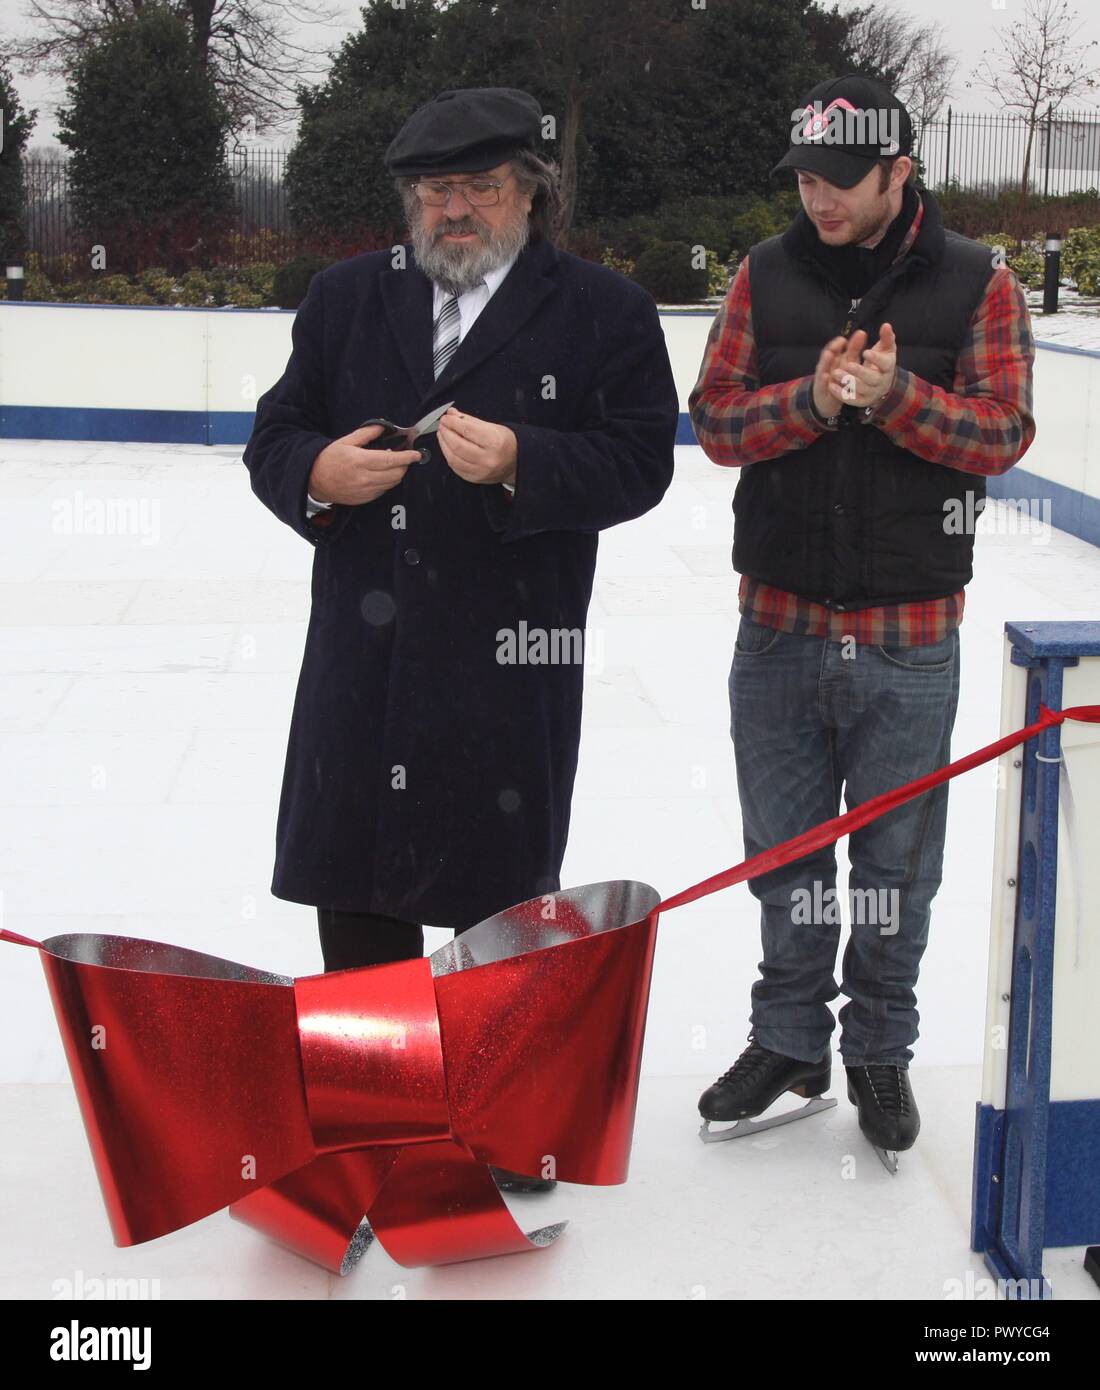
column 888, row 1113
column 755, row 1081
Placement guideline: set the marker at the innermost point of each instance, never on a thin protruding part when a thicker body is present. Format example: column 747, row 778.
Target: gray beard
column 457, row 269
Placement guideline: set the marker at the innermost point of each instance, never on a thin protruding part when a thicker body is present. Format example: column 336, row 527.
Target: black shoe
column 888, row 1114
column 759, row 1077
column 519, row 1182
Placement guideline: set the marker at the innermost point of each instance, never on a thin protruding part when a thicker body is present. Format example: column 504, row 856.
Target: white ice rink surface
column 148, row 679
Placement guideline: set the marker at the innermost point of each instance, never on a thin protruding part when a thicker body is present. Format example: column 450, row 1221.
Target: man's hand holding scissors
column 348, row 471
column 478, row 450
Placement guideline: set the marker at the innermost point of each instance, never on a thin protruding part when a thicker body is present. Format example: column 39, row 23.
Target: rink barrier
column 162, row 375
column 1036, row 1175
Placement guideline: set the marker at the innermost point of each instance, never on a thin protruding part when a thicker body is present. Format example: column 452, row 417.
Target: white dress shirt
column 470, row 304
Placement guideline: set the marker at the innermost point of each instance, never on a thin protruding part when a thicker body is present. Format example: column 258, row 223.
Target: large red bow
column 303, row 1104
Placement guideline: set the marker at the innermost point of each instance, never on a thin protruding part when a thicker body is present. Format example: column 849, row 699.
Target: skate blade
column 740, row 1128
column 888, row 1158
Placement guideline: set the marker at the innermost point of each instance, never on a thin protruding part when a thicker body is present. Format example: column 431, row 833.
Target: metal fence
column 262, row 221
column 260, row 192
column 989, row 153
column 983, row 152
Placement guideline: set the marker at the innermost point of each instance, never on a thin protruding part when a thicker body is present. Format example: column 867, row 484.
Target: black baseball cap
column 465, row 130
column 844, row 126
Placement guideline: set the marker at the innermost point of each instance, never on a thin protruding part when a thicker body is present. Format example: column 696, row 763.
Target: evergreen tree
column 17, row 126
column 336, row 180
column 149, row 177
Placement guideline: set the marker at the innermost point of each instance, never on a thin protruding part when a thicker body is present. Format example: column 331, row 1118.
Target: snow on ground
column 1076, row 324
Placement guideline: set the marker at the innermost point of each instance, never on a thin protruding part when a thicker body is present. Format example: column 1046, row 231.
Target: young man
column 867, row 372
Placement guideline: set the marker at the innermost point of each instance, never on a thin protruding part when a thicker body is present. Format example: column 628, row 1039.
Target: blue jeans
column 808, row 715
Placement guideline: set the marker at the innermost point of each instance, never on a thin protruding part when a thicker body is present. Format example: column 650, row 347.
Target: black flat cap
column 465, row 130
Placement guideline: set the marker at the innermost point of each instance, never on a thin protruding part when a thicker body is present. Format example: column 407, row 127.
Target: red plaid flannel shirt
column 983, row 425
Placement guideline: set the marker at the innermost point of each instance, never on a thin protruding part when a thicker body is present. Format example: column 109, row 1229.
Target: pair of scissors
column 402, row 436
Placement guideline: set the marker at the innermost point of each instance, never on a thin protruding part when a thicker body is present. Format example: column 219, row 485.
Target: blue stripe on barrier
column 157, row 426
column 114, row 426
column 1071, row 511
column 230, row 426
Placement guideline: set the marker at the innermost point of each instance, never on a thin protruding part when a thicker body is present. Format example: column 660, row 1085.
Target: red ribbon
column 831, row 830
column 368, row 1103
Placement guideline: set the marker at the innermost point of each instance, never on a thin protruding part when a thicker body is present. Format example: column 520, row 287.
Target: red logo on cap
column 818, row 122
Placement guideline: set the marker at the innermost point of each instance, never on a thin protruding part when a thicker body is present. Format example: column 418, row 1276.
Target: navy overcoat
column 434, row 737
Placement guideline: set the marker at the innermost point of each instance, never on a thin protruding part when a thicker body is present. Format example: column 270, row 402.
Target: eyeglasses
column 479, row 193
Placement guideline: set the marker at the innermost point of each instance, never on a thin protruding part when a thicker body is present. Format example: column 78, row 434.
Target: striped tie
column 445, row 333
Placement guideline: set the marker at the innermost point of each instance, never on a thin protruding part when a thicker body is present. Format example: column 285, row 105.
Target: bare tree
column 248, row 45
column 1040, row 64
column 878, row 41
column 927, row 83
column 912, row 59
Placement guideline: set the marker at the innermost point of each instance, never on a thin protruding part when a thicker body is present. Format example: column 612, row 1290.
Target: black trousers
column 352, row 939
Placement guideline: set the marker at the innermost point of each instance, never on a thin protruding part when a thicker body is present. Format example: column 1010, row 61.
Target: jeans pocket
column 754, row 639
column 926, row 656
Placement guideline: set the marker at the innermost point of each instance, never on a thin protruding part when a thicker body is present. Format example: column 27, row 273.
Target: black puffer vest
column 853, row 520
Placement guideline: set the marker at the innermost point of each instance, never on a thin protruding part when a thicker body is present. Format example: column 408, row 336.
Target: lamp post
column 1052, row 272
column 15, row 281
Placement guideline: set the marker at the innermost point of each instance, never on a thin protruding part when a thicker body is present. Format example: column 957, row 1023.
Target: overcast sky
column 970, row 26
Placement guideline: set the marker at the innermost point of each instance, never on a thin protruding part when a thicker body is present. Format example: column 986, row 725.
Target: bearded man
column 434, row 737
